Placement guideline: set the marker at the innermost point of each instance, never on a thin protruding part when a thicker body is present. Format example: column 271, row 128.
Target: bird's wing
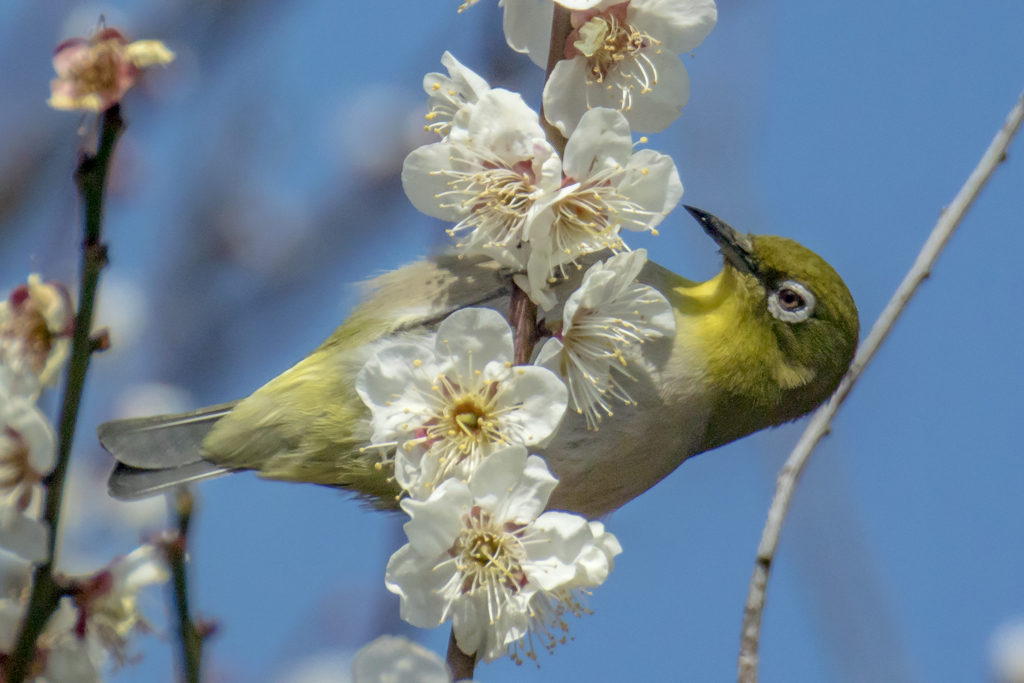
column 309, row 424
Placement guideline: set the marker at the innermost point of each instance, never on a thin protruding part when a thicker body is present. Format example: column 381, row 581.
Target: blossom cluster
column 465, row 428
column 100, row 613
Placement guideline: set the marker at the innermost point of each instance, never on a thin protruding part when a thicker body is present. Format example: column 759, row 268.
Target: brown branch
column 91, row 178
column 820, row 424
column 560, row 30
column 461, row 664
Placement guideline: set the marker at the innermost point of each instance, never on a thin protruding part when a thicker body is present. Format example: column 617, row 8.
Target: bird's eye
column 791, row 302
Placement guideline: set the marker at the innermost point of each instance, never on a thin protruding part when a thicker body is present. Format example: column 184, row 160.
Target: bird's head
column 778, row 328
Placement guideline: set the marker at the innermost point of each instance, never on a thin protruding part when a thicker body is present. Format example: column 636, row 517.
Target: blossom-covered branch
column 91, row 177
column 820, row 424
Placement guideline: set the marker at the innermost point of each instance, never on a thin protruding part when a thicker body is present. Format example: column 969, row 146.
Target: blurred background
column 259, row 179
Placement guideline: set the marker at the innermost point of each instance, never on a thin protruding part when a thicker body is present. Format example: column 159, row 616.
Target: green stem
column 189, row 637
column 91, row 178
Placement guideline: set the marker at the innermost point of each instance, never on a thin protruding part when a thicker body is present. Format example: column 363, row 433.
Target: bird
column 762, row 343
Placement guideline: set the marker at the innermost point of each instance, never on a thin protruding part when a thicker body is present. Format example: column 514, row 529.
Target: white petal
column 651, row 181
column 22, row 535
column 472, row 337
column 387, row 386
column 470, row 622
column 529, row 496
column 680, row 25
column 497, row 475
column 565, row 94
column 418, row 582
column 654, row 111
column 424, row 183
column 502, row 123
column 538, row 270
column 393, row 659
column 558, row 541
column 470, row 84
column 24, row 417
column 72, row 662
column 527, row 26
column 435, row 522
column 601, row 140
column 541, row 398
column 591, row 567
column 142, row 567
column 550, row 355
column 11, row 611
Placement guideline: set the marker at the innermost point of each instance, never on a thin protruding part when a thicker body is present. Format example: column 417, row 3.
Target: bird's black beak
column 736, row 247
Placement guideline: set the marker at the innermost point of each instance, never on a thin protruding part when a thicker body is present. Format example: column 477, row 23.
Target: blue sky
column 846, row 126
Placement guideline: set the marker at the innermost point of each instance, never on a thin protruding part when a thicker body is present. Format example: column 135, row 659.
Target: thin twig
column 820, row 424
column 91, row 178
column 190, row 637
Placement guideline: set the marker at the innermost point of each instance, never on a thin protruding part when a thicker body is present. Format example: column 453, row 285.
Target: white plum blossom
column 446, row 406
column 70, row 656
column 625, row 55
column 26, row 456
column 481, row 553
column 449, row 95
column 393, row 659
column 35, row 335
column 605, row 187
column 603, row 324
column 113, row 614
column 485, row 176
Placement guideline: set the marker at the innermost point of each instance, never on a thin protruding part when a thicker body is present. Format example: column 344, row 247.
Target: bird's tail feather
column 134, row 483
column 163, row 441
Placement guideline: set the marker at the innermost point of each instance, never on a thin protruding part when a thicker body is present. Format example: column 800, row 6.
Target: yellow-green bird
column 762, row 343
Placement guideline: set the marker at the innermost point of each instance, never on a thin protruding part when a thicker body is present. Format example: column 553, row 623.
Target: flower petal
column 540, row 398
column 558, row 541
column 473, row 337
column 434, row 523
column 393, row 659
column 418, row 582
column 565, row 94
column 652, row 182
column 527, row 25
column 424, row 183
column 470, row 84
column 23, row 536
column 680, row 25
column 528, row 497
column 497, row 475
column 655, row 110
column 601, row 140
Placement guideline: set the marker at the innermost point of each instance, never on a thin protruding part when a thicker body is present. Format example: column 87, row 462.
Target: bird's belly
column 601, row 470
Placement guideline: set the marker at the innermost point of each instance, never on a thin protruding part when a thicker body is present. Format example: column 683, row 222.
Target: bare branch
column 820, row 424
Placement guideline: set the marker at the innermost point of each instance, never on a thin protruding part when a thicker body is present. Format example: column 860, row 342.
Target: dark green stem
column 91, row 178
column 190, row 638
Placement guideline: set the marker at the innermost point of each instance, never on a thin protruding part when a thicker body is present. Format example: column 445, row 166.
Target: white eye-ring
column 791, row 302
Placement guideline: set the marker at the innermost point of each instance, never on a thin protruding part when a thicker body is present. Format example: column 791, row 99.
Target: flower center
column 487, row 555
column 469, row 418
column 497, row 198
column 611, row 44
column 26, row 337
column 98, row 72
